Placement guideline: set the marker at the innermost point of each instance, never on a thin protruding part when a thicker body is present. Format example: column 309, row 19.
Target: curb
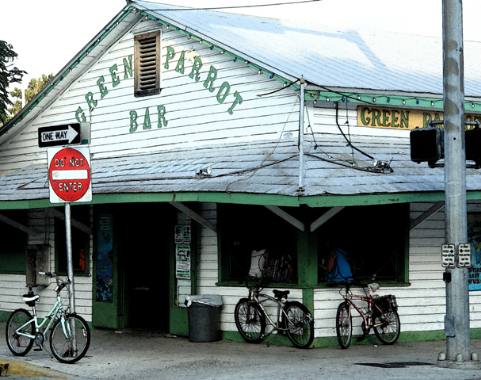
column 10, row 367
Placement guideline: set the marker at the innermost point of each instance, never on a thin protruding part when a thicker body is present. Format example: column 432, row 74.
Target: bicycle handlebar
column 60, row 284
column 48, row 274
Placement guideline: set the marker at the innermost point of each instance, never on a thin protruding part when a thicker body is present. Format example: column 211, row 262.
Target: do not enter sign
column 69, row 175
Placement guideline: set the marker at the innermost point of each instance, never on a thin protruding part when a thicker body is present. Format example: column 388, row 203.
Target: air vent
column 147, row 64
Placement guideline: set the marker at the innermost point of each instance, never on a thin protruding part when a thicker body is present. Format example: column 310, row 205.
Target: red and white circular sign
column 69, row 175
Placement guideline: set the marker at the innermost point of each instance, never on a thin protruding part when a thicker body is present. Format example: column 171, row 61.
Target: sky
column 46, row 34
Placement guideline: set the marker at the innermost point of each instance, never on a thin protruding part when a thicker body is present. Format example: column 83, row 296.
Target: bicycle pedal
column 38, row 349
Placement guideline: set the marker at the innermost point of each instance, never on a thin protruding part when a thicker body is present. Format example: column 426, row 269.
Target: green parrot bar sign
column 141, row 119
column 392, row 118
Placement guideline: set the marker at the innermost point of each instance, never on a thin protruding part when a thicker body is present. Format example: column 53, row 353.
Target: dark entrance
column 144, row 236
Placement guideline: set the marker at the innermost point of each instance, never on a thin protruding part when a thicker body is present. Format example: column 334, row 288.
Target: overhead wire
column 230, row 6
column 346, row 138
column 279, row 89
column 377, row 167
column 262, row 164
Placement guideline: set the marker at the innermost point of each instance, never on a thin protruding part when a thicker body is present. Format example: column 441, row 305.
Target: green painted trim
column 67, row 69
column 178, row 318
column 407, row 231
column 307, row 259
column 407, row 101
column 331, row 341
column 274, row 339
column 178, row 321
column 241, row 284
column 308, row 299
column 4, row 315
column 249, row 198
column 391, row 284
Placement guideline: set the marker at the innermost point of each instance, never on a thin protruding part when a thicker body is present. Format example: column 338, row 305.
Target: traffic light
column 427, row 145
column 473, row 145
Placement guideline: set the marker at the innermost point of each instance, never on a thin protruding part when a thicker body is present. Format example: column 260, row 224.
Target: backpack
column 341, row 270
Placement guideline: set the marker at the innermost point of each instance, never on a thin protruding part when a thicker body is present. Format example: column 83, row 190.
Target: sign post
column 69, row 181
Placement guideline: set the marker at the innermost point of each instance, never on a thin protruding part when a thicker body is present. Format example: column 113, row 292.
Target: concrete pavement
column 143, row 355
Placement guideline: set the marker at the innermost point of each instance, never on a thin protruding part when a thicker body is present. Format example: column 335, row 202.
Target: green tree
column 8, row 74
column 16, row 95
column 34, row 87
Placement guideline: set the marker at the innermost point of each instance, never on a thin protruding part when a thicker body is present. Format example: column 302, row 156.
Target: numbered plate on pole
column 464, row 255
column 447, row 255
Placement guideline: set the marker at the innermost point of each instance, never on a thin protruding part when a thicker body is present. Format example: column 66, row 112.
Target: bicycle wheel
column 344, row 325
column 19, row 345
column 250, row 320
column 299, row 324
column 70, row 338
column 387, row 326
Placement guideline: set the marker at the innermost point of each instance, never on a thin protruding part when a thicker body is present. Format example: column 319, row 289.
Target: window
column 13, row 245
column 244, row 229
column 147, row 64
column 80, row 242
column 375, row 239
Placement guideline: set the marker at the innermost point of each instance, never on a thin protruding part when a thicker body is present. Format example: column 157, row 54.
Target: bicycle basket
column 386, row 303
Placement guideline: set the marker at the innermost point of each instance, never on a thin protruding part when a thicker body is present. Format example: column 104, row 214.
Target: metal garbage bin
column 204, row 317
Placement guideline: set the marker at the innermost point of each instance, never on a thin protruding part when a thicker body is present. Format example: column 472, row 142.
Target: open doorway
column 144, row 233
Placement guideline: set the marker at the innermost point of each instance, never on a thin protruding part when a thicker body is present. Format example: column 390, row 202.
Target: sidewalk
column 144, row 355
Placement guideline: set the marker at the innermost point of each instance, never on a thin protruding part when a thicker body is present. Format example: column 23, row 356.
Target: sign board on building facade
column 59, row 135
column 397, row 118
column 183, row 237
column 69, row 175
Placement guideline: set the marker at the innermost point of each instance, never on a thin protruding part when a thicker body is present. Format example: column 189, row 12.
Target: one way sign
column 59, row 135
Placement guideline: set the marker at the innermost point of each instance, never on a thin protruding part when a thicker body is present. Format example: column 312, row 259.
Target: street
column 143, row 355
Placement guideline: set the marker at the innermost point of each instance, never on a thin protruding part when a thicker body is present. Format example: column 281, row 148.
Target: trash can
column 204, row 317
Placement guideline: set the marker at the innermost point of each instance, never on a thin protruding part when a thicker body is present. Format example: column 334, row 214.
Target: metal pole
column 457, row 296
column 68, row 235
column 301, row 136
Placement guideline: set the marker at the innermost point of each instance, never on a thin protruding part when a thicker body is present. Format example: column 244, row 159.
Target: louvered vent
column 147, row 64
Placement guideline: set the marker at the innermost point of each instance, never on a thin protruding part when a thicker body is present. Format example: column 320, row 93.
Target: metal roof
column 258, row 167
column 328, row 57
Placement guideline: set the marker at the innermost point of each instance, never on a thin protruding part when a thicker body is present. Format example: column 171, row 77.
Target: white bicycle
column 69, row 333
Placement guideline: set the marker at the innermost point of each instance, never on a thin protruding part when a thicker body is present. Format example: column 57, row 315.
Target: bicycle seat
column 279, row 294
column 30, row 299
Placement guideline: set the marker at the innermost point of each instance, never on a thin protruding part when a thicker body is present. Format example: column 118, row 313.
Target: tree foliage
column 34, row 87
column 8, row 74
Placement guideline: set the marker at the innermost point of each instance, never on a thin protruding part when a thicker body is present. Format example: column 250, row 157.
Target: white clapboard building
column 213, row 135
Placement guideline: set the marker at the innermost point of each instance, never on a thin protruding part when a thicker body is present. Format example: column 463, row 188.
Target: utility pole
column 458, row 352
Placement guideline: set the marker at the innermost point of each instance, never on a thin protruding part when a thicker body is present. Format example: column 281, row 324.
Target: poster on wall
column 474, row 238
column 182, row 261
column 182, row 234
column 104, row 264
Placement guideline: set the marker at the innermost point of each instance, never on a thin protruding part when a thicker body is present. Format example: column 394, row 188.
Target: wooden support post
column 287, row 217
column 194, row 215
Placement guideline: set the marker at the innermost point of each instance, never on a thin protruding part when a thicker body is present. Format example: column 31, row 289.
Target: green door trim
column 106, row 314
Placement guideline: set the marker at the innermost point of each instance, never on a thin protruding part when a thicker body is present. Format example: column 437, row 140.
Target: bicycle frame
column 368, row 299
column 260, row 298
column 55, row 312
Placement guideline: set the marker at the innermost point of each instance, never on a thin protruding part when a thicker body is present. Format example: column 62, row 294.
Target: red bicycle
column 380, row 314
